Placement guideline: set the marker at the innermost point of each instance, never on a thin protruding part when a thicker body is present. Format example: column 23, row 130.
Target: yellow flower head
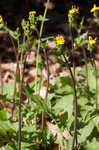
column 59, row 40
column 1, row 19
column 27, row 25
column 95, row 8
column 92, row 41
column 74, row 10
column 32, row 12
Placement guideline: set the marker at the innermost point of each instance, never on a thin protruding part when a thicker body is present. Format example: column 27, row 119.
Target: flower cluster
column 1, row 19
column 74, row 10
column 26, row 25
column 32, row 12
column 59, row 40
column 95, row 10
column 72, row 16
column 32, row 18
column 91, row 43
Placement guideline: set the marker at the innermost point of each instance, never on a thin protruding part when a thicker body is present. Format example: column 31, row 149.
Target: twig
column 75, row 105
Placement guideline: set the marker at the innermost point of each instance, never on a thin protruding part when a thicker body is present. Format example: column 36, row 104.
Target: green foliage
column 8, row 90
column 80, row 40
column 58, row 104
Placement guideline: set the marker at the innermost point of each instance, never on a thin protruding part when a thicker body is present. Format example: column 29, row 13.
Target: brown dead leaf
column 42, row 92
column 55, row 132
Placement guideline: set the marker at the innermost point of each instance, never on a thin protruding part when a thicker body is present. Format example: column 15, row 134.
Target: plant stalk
column 39, row 44
column 47, row 67
column 75, row 105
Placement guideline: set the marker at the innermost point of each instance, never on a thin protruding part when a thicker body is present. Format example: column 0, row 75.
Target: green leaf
column 41, row 18
column 80, row 40
column 38, row 100
column 64, row 104
column 4, row 114
column 47, row 38
column 14, row 34
column 69, row 143
column 8, row 89
column 1, row 25
column 85, row 132
column 64, row 85
column 6, row 126
column 96, row 121
column 81, row 25
column 93, row 145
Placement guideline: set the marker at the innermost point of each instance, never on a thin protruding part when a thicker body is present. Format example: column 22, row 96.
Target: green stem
column 39, row 44
column 85, row 57
column 19, row 105
column 20, row 95
column 74, row 103
column 96, row 84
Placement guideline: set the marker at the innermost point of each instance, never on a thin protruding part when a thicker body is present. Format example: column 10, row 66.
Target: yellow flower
column 1, row 19
column 32, row 12
column 27, row 25
column 95, row 8
column 59, row 40
column 74, row 10
column 92, row 41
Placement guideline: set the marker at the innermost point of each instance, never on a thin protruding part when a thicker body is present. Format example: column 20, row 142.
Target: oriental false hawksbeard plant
column 70, row 106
